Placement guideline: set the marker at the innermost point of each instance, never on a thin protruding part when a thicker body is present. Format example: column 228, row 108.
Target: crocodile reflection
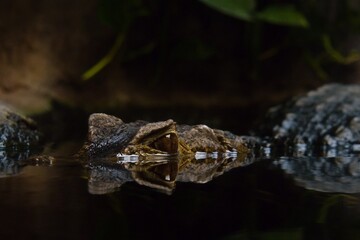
column 159, row 175
column 107, row 177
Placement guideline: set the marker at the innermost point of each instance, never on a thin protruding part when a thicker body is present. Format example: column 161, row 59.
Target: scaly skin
column 328, row 117
column 109, row 135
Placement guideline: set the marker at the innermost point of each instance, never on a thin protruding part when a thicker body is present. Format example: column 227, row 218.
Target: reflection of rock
column 338, row 174
column 11, row 162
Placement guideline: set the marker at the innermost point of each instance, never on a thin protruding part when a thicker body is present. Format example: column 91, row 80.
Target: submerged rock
column 16, row 131
column 17, row 134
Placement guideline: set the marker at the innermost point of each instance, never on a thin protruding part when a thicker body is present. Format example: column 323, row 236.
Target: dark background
column 185, row 59
column 179, row 59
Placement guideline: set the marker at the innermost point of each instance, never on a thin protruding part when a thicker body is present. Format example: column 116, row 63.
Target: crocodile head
column 109, row 135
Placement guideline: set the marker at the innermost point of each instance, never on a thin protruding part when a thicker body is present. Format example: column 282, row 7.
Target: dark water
column 257, row 201
column 51, row 199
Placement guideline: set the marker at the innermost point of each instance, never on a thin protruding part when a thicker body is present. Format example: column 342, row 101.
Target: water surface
column 277, row 197
column 256, row 201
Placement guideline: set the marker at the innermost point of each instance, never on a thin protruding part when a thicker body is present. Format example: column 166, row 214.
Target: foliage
column 239, row 9
column 283, row 15
column 306, row 26
column 245, row 10
column 103, row 62
column 119, row 14
column 354, row 56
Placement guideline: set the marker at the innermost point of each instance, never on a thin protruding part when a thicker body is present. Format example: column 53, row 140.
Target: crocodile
column 324, row 123
column 323, row 120
column 327, row 118
column 109, row 135
column 164, row 152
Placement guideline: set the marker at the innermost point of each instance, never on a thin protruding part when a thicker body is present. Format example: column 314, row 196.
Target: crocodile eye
column 167, row 143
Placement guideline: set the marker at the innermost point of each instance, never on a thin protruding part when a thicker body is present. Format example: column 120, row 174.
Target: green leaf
column 335, row 55
column 242, row 9
column 103, row 62
column 283, row 15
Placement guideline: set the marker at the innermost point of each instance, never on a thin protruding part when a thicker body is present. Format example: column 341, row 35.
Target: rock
column 17, row 134
column 16, row 131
